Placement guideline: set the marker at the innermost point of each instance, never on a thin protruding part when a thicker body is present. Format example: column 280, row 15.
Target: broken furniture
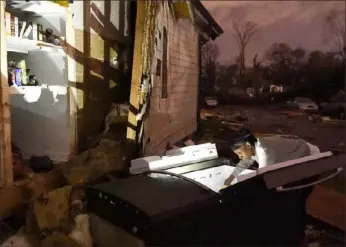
column 178, row 200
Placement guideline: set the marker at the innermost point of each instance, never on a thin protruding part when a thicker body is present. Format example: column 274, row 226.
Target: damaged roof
column 205, row 20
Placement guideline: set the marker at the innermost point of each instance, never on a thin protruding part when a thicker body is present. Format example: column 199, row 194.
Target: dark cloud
column 298, row 23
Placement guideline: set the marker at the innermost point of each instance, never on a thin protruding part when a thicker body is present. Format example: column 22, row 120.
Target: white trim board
column 265, row 169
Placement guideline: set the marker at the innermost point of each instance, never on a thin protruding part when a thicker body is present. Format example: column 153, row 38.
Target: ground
column 328, row 201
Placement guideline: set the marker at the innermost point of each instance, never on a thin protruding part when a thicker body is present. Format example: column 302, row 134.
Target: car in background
column 251, row 92
column 305, row 104
column 335, row 106
column 211, row 102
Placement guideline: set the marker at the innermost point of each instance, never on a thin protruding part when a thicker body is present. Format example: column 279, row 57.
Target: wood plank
column 136, row 71
column 72, row 80
column 6, row 171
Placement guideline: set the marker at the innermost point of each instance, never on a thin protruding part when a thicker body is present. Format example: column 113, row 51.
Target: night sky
column 298, row 23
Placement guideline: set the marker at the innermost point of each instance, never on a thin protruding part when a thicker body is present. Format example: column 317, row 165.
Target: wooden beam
column 136, row 72
column 6, row 171
column 199, row 62
column 72, row 80
column 182, row 10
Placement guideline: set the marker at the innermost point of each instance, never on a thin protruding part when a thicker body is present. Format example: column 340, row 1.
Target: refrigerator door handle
column 281, row 189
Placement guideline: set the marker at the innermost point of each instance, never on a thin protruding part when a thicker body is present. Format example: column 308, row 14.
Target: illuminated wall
column 173, row 117
column 101, row 35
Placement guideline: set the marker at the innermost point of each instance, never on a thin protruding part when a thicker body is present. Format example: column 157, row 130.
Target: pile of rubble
column 56, row 214
column 19, row 168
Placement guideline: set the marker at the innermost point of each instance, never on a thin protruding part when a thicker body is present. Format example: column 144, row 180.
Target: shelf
column 36, row 7
column 25, row 89
column 32, row 94
column 54, row 89
column 15, row 44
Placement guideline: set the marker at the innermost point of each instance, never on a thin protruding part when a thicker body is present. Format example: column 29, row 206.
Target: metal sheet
column 305, row 170
column 200, row 166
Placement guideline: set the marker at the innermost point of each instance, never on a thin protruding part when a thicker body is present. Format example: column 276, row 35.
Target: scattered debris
column 189, row 143
column 56, row 210
column 312, row 119
column 19, row 168
column 118, row 113
column 92, row 164
column 312, row 235
column 311, row 232
column 59, row 240
column 57, row 197
column 81, row 233
column 41, row 164
column 279, row 135
column 45, row 182
column 22, row 239
column 231, row 123
column 330, row 120
column 241, row 118
column 233, row 126
column 51, row 211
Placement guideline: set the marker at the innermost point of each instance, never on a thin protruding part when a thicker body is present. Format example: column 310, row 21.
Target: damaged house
column 75, row 73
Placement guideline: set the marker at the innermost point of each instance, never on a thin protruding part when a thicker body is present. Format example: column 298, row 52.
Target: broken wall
column 173, row 110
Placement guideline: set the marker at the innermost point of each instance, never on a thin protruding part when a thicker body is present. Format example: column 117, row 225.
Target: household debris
column 41, row 164
column 56, row 208
column 189, row 142
column 312, row 118
column 106, row 157
column 20, row 170
column 118, row 113
column 81, row 232
column 331, row 120
column 312, row 236
column 59, row 240
column 20, row 239
column 51, row 211
column 279, row 135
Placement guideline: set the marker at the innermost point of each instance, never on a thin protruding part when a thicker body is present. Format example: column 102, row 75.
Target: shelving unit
column 40, row 116
column 37, row 8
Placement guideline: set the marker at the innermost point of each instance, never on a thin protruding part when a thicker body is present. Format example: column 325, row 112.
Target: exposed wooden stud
column 199, row 62
column 6, row 171
column 136, row 72
column 72, row 87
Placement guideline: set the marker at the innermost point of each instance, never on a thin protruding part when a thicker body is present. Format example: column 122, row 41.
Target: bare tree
column 244, row 36
column 210, row 53
column 209, row 56
column 335, row 21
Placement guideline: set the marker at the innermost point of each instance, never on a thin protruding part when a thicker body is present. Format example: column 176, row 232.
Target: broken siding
column 173, row 118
